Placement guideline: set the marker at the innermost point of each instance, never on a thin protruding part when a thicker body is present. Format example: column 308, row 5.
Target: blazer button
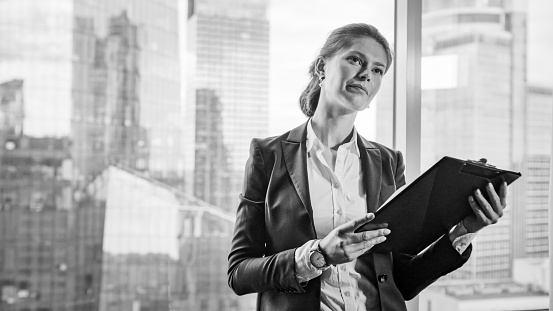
column 382, row 278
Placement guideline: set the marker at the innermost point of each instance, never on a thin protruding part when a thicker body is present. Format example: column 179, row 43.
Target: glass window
column 484, row 95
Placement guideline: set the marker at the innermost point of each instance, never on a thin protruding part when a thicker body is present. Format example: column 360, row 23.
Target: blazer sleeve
column 251, row 269
column 413, row 273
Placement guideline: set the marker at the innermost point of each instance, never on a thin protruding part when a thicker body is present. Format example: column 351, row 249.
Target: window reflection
column 478, row 101
column 86, row 221
column 101, row 150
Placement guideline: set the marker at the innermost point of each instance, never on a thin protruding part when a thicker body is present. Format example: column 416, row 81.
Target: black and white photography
column 281, row 155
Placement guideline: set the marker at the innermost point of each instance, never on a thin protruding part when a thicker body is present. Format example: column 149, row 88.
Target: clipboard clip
column 482, row 162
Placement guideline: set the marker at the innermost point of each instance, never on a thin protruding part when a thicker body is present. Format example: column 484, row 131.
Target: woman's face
column 353, row 76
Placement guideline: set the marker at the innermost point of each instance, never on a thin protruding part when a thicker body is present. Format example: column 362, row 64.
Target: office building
column 228, row 49
column 158, row 248
column 84, row 86
column 531, row 226
column 211, row 173
column 471, row 113
column 37, row 248
column 473, row 99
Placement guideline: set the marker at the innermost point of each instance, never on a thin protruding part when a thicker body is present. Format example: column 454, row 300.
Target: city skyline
column 86, row 87
column 96, row 136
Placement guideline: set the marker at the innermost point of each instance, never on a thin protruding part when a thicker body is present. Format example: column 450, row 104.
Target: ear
column 320, row 66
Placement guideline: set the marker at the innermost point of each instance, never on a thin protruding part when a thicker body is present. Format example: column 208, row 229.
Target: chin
column 361, row 106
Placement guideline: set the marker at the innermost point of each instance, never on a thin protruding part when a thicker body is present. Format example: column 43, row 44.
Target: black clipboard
column 432, row 204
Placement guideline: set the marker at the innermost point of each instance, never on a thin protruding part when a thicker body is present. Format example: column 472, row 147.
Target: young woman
column 306, row 191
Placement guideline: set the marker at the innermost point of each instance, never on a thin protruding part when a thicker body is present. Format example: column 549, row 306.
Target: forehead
column 369, row 47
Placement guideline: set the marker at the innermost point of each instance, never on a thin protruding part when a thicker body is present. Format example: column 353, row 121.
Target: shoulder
column 385, row 151
column 273, row 143
column 269, row 143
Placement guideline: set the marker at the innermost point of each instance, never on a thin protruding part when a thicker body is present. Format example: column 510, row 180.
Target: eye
column 378, row 71
column 355, row 60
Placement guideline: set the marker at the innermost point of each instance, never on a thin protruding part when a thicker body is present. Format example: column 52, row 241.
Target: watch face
column 317, row 259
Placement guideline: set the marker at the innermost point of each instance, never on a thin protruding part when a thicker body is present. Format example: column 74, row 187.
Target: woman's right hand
column 343, row 245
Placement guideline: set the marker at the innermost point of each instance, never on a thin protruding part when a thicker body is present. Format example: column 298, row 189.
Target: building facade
column 86, row 85
column 211, row 171
column 473, row 102
column 228, row 48
column 532, row 222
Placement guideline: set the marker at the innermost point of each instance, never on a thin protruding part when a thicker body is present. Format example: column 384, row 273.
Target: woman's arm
column 412, row 273
column 250, row 269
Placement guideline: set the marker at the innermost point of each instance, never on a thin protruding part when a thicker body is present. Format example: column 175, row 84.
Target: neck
column 332, row 130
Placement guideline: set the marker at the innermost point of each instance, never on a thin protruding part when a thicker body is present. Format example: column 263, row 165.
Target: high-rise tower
column 228, row 45
column 532, row 224
column 473, row 100
column 85, row 85
column 475, row 112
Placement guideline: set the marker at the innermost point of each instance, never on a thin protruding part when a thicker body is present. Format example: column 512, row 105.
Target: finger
column 503, row 194
column 361, row 248
column 374, row 226
column 477, row 211
column 363, row 251
column 369, row 235
column 494, row 200
column 486, row 207
column 353, row 224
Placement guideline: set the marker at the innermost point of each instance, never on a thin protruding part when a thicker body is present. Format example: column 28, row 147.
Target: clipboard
column 435, row 202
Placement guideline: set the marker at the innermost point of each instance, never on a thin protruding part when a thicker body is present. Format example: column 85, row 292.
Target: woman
column 305, row 192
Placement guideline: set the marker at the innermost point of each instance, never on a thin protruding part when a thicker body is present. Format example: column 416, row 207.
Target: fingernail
column 490, row 185
column 370, row 215
column 470, row 198
column 382, row 239
column 386, row 231
column 477, row 191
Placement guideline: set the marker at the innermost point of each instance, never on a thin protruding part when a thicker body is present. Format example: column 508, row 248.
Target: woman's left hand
column 486, row 212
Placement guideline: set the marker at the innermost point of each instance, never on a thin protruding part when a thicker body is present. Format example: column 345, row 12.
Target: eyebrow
column 377, row 63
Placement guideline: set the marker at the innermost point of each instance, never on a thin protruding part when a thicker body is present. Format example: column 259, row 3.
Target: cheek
column 335, row 84
column 376, row 84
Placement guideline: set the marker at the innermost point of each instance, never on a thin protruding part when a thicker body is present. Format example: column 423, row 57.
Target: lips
column 359, row 86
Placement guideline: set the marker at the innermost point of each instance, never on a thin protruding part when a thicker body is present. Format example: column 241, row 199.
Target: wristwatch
column 317, row 257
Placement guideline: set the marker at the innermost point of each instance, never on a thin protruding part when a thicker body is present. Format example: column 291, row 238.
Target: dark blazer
column 275, row 217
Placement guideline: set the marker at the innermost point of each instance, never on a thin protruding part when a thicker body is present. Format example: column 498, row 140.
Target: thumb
column 353, row 224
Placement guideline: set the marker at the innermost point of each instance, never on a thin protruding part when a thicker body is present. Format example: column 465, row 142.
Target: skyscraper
column 473, row 96
column 531, row 225
column 477, row 114
column 85, row 86
column 228, row 46
column 212, row 175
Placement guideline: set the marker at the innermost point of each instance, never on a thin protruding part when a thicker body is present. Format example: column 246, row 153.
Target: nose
column 365, row 75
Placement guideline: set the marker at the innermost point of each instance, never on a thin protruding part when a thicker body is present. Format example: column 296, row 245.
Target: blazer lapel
column 295, row 158
column 371, row 165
